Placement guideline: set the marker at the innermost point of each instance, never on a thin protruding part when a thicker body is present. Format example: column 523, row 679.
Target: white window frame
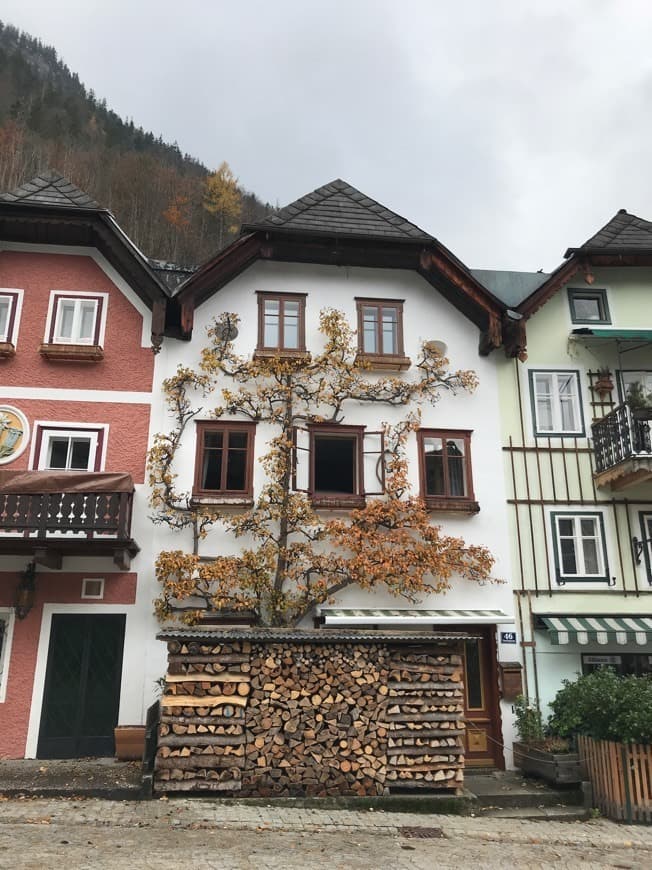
column 557, row 429
column 578, row 538
column 52, row 335
column 45, row 429
column 15, row 297
column 8, row 616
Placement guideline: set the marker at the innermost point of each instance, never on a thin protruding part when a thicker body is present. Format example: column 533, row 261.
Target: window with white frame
column 75, row 319
column 6, row 631
column 68, row 449
column 629, row 377
column 9, row 300
column 556, row 406
column 579, row 543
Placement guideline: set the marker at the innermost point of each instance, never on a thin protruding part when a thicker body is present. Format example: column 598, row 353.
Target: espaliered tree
column 294, row 557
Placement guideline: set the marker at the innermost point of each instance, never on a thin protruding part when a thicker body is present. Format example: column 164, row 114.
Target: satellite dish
column 229, row 331
column 435, row 346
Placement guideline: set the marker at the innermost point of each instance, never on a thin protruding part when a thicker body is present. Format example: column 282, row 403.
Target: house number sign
column 508, row 637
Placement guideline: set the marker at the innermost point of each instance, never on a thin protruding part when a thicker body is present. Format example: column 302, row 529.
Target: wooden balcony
column 49, row 515
column 622, row 446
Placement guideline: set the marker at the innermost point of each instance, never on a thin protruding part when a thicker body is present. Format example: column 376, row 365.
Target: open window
column 380, row 333
column 73, row 449
column 75, row 327
column 224, row 462
column 339, row 465
column 579, row 543
column 445, row 469
column 281, row 324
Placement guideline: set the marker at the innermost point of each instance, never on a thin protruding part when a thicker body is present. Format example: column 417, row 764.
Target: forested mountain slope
column 169, row 203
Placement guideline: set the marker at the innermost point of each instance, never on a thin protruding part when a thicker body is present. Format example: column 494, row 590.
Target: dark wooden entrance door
column 82, row 686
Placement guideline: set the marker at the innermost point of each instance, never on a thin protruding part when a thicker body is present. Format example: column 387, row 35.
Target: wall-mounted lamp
column 26, row 591
column 638, row 547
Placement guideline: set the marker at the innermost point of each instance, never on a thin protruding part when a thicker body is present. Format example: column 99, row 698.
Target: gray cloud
column 508, row 130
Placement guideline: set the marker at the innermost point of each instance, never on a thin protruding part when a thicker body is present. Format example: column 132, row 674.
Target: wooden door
column 483, row 738
column 82, row 686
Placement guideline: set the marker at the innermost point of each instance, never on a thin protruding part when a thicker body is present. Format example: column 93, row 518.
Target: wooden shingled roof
column 339, row 209
column 50, row 188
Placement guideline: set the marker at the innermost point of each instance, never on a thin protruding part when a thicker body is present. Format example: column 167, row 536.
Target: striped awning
column 402, row 616
column 599, row 629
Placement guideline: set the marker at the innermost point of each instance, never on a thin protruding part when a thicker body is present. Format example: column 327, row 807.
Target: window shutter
column 301, row 459
column 373, row 463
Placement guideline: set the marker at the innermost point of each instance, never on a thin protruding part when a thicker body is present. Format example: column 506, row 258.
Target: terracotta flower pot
column 129, row 742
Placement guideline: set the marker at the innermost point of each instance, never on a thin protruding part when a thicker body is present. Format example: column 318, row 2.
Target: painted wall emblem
column 14, row 433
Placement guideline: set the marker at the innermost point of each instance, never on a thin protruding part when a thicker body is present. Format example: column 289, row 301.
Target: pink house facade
column 81, row 310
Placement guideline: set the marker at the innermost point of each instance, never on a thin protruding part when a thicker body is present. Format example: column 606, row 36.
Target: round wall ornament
column 14, row 433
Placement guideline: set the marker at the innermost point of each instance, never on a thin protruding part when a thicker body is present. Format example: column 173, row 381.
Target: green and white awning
column 599, row 629
column 402, row 616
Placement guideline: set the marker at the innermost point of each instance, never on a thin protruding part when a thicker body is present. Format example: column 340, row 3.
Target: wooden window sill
column 339, row 502
column 384, row 362
column 72, row 352
column 453, row 505
column 281, row 353
column 204, row 500
column 7, row 350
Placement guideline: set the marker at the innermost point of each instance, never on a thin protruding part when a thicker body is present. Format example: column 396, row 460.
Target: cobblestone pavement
column 49, row 833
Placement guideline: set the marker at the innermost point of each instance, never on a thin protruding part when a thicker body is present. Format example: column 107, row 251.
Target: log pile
column 314, row 722
column 300, row 716
column 202, row 731
column 424, row 720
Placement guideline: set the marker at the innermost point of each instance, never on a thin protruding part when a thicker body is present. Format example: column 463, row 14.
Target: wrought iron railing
column 619, row 436
column 92, row 513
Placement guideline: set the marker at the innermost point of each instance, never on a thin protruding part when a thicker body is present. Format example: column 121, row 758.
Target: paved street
column 79, row 834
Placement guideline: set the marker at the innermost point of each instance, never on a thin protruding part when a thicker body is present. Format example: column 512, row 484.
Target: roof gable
column 51, row 189
column 339, row 209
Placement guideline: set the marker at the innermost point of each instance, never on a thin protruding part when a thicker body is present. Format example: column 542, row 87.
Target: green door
column 81, row 697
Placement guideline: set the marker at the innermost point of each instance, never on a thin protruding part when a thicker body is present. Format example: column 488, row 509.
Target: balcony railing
column 619, row 437
column 75, row 514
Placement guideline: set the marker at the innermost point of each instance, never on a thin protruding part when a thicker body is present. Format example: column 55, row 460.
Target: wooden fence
column 621, row 777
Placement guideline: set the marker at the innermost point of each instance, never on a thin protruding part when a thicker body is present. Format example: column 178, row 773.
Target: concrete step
column 509, row 789
column 557, row 813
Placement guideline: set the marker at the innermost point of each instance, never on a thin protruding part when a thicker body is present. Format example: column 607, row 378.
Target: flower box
column 557, row 768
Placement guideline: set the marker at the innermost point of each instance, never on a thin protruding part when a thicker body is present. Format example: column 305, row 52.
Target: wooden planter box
column 129, row 742
column 557, row 768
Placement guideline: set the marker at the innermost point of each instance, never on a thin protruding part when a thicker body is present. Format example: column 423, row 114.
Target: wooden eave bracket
column 48, row 557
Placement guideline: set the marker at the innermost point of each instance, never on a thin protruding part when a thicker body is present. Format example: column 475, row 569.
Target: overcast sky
column 509, row 129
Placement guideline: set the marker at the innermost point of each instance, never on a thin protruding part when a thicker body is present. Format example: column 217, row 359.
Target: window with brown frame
column 338, row 466
column 224, row 460
column 445, row 469
column 380, row 332
column 282, row 322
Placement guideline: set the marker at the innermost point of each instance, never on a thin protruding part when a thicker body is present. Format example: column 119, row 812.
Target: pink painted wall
column 126, row 365
column 127, row 435
column 60, row 588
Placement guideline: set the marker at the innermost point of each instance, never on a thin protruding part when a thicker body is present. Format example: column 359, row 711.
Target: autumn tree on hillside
column 292, row 557
column 222, row 198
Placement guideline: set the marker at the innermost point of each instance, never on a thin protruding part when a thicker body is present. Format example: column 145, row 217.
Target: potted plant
column 640, row 401
column 539, row 751
column 604, row 382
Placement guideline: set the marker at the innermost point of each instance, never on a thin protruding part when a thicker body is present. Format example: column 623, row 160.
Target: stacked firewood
column 424, row 714
column 314, row 725
column 298, row 716
column 202, row 731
